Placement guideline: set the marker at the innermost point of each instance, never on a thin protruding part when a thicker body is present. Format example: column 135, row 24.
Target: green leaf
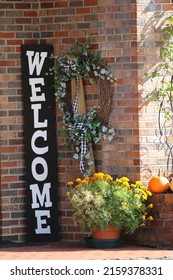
column 76, row 156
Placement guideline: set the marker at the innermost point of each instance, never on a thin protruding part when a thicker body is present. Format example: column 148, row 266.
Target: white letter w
column 35, row 62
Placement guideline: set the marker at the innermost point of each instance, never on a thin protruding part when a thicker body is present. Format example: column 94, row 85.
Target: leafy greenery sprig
column 80, row 63
column 162, row 74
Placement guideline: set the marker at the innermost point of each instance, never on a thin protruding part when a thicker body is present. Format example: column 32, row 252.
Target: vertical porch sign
column 40, row 143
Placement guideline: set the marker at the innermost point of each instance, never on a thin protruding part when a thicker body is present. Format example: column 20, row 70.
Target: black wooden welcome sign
column 40, row 143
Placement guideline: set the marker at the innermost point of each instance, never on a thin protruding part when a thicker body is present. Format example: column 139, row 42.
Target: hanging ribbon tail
column 82, row 154
column 76, row 99
column 77, row 87
column 79, row 107
column 91, row 168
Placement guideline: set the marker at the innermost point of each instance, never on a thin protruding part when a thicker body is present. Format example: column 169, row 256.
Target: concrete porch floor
column 79, row 251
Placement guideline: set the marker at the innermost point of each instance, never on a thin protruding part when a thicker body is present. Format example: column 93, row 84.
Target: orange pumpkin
column 171, row 183
column 158, row 184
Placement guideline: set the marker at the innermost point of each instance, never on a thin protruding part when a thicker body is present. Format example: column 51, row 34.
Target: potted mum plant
column 101, row 204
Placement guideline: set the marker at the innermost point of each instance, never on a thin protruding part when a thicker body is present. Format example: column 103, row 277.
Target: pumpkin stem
column 159, row 172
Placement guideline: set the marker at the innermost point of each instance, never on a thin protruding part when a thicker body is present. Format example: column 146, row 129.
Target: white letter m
column 43, row 198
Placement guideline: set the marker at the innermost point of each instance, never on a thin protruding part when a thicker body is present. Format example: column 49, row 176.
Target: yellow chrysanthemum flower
column 94, row 176
column 78, row 180
column 144, row 188
column 142, row 191
column 124, row 203
column 70, row 183
column 150, row 205
column 67, row 193
column 100, row 175
column 107, row 177
column 85, row 180
column 137, row 196
column 126, row 184
column 118, row 181
column 138, row 183
column 125, row 179
column 150, row 218
column 149, row 193
column 144, row 197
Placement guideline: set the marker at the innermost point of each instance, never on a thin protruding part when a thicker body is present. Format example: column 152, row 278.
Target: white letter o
column 42, row 176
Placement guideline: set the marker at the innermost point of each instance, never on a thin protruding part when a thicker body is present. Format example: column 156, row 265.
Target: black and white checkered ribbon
column 76, row 99
column 79, row 127
column 80, row 137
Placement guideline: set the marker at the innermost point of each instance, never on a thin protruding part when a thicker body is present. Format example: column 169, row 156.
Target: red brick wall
column 159, row 232
column 125, row 32
column 18, row 25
